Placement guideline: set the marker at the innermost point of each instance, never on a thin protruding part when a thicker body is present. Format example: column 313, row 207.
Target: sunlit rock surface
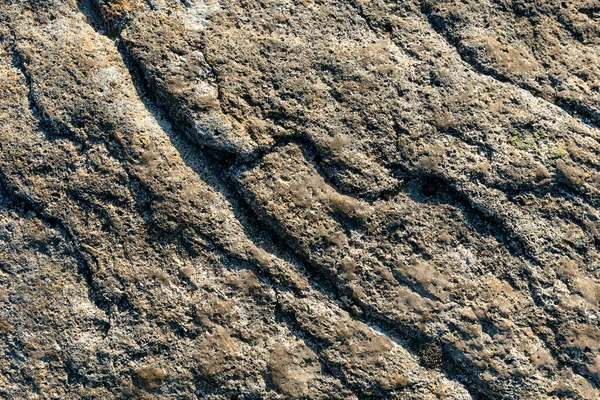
column 301, row 199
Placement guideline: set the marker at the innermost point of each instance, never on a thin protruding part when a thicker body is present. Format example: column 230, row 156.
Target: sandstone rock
column 299, row 199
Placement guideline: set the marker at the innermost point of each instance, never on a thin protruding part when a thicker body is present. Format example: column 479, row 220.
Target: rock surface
column 305, row 199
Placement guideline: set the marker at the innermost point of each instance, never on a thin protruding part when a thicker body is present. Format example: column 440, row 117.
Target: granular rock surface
column 299, row 199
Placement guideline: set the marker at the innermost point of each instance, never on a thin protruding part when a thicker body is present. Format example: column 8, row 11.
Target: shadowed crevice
column 217, row 168
column 574, row 108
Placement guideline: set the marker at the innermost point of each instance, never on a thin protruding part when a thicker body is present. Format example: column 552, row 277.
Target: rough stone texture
column 308, row 199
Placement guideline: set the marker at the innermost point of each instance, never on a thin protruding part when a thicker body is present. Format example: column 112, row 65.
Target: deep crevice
column 26, row 207
column 290, row 320
column 242, row 211
column 586, row 116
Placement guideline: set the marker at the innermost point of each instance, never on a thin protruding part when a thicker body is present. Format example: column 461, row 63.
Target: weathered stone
column 299, row 199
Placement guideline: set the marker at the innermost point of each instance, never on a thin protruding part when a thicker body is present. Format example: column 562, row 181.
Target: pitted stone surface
column 361, row 199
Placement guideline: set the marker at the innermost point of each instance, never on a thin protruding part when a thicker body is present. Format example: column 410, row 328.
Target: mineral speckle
column 311, row 199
